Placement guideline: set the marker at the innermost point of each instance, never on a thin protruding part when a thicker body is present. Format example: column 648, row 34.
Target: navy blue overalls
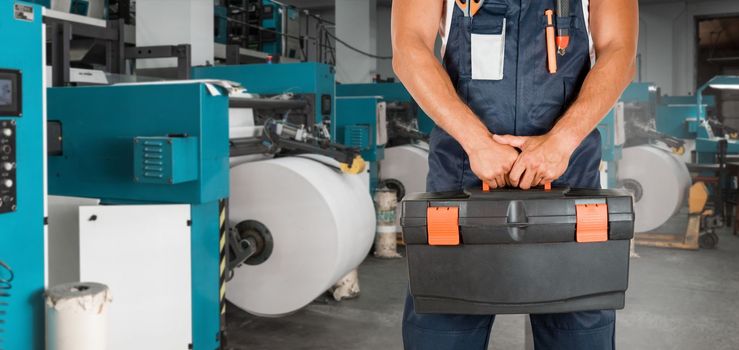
column 525, row 100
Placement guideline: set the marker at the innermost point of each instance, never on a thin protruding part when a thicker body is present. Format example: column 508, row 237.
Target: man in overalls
column 508, row 117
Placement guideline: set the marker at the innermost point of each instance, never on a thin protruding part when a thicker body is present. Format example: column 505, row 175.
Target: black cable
column 5, row 279
column 11, row 275
column 358, row 50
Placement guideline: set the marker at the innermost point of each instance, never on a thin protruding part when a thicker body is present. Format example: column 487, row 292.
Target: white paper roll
column 659, row 181
column 407, row 164
column 77, row 316
column 242, row 125
column 322, row 223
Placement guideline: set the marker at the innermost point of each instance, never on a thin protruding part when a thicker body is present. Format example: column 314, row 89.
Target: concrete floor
column 676, row 300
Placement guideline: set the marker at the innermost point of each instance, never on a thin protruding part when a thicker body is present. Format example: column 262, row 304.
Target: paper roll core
column 77, row 316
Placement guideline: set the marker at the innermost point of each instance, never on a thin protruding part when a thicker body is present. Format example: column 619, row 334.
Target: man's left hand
column 543, row 158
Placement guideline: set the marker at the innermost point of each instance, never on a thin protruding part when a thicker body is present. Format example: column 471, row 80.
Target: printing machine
column 156, row 156
column 684, row 123
column 690, row 117
column 164, row 146
column 311, row 83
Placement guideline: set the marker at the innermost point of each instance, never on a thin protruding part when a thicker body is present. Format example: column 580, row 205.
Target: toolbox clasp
column 442, row 225
column 592, row 222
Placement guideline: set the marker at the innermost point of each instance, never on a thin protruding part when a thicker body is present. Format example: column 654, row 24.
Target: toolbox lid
column 517, row 216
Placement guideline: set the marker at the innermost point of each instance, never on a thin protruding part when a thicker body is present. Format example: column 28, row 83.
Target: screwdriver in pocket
column 563, row 32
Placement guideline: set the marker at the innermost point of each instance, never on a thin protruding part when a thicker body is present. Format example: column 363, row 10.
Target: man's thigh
column 447, row 332
column 574, row 331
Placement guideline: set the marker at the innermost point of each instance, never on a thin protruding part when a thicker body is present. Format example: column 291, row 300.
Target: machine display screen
column 10, row 93
column 6, row 92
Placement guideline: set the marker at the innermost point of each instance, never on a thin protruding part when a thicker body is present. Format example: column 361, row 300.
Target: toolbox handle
column 486, row 186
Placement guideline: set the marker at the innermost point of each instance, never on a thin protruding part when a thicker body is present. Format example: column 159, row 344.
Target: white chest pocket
column 487, row 42
column 488, row 55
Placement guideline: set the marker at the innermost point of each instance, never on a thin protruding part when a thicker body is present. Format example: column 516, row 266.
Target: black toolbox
column 518, row 252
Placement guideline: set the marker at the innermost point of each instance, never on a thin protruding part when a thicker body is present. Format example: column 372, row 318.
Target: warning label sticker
column 23, row 12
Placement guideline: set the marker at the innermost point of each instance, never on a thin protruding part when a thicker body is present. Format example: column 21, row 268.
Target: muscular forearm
column 425, row 78
column 611, row 74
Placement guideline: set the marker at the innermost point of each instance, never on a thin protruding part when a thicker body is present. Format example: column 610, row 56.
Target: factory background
column 244, row 174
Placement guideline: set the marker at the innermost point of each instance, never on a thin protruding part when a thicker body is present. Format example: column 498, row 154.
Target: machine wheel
column 708, row 240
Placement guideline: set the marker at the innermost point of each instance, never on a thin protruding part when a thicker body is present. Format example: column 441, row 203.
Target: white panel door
column 63, row 255
column 142, row 253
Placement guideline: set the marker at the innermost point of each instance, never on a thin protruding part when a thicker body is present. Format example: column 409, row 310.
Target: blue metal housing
column 709, row 100
column 22, row 231
column 270, row 79
column 221, row 24
column 680, row 120
column 390, row 92
column 274, row 23
column 356, row 126
column 100, row 125
column 165, row 159
column 45, row 3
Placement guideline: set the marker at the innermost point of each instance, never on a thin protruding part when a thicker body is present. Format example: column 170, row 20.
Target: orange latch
column 485, row 187
column 443, row 225
column 547, row 186
column 592, row 223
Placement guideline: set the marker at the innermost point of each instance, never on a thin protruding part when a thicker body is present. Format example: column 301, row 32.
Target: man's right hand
column 492, row 161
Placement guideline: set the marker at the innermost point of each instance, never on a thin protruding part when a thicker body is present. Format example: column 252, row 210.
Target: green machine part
column 272, row 20
column 154, row 144
column 356, row 125
column 44, row 3
column 390, row 92
column 21, row 177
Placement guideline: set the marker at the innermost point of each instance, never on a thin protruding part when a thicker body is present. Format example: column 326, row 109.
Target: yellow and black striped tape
column 222, row 212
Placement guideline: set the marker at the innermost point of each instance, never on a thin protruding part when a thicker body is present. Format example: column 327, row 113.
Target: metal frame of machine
column 313, row 81
column 407, row 121
column 22, row 220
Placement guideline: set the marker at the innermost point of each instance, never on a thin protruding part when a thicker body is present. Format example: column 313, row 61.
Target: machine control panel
column 8, row 166
column 10, row 93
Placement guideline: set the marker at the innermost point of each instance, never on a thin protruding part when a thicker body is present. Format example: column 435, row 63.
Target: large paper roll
column 404, row 169
column 322, row 223
column 407, row 164
column 659, row 182
column 77, row 316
